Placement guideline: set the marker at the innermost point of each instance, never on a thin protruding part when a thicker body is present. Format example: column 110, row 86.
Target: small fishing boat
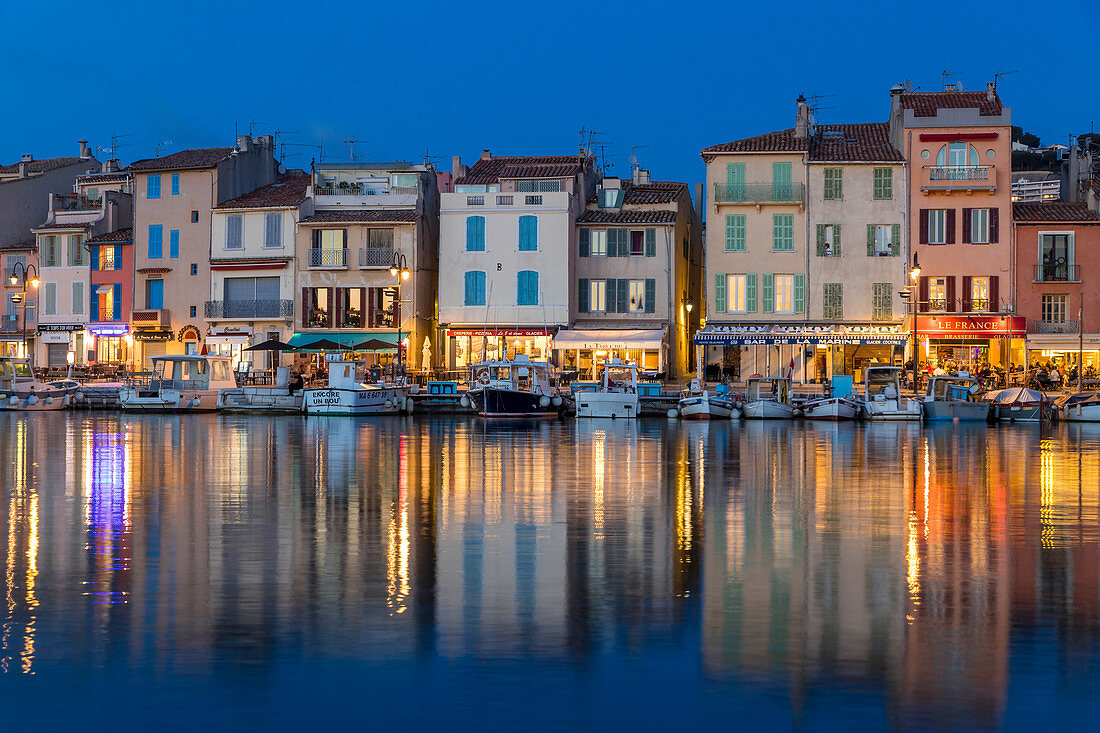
column 1019, row 404
column 882, row 398
column 179, row 384
column 954, row 398
column 617, row 395
column 1079, row 407
column 839, row 404
column 700, row 404
column 21, row 392
column 347, row 394
column 768, row 398
column 517, row 387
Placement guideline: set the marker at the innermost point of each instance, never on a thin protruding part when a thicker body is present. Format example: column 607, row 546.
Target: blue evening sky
column 518, row 78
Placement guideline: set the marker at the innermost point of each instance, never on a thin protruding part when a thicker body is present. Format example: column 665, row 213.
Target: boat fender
column 673, row 413
column 389, row 403
column 49, row 400
column 79, row 396
column 465, row 401
column 195, row 402
column 738, row 404
column 409, row 405
column 797, row 412
column 544, row 401
column 32, row 400
column 556, row 401
column 13, row 400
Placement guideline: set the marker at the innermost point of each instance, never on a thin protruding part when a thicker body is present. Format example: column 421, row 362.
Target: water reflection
column 926, row 568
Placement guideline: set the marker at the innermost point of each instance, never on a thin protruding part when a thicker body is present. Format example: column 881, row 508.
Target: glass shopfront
column 471, row 347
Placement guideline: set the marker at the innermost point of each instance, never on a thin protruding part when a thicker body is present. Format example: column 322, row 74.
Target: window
column 883, row 184
column 781, row 182
column 616, row 242
column 611, row 198
column 957, row 155
column 978, row 225
column 538, row 186
column 194, row 314
column 380, row 238
column 979, row 294
column 154, row 294
column 156, row 235
column 76, row 250
column 735, row 232
column 937, row 293
column 475, row 233
column 834, row 184
column 784, row 294
column 735, row 181
column 108, row 302
column 250, row 297
column 78, row 297
column 782, row 232
column 637, row 244
column 882, row 306
column 152, row 187
column 50, row 252
column 49, row 299
column 316, row 307
column 528, row 233
column 475, row 288
column 597, row 296
column 1055, row 308
column 234, row 231
column 833, row 301
column 13, row 262
column 937, row 226
column 1056, row 257
column 382, row 307
column 599, row 243
column 527, row 287
column 194, row 217
column 175, row 184
column 410, row 182
column 194, row 269
column 174, row 243
column 636, row 304
column 883, row 239
column 828, row 240
column 273, row 229
column 736, row 293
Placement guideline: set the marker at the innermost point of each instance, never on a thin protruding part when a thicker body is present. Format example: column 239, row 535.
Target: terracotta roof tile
column 606, row 216
column 769, row 142
column 183, row 160
column 104, row 177
column 927, row 104
column 654, row 192
column 388, row 216
column 122, row 235
column 854, row 142
column 41, row 166
column 1027, row 211
column 154, row 270
column 491, row 170
column 63, row 225
column 286, row 192
column 27, row 246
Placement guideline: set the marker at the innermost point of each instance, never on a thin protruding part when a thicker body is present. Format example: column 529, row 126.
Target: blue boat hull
column 494, row 402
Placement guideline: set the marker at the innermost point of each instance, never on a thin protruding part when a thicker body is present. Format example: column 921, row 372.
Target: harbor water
column 289, row 572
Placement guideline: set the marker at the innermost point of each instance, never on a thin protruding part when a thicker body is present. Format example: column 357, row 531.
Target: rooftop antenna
column 320, row 148
column 350, row 145
column 634, row 158
column 282, row 145
column 815, row 102
column 253, row 124
column 112, row 149
column 158, row 146
column 999, row 74
column 430, row 159
column 588, row 139
column 949, row 86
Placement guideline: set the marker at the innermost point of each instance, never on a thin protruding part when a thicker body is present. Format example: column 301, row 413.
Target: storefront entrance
column 471, row 347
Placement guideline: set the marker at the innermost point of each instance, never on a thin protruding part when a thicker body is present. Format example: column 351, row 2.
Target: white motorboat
column 1019, row 404
column 346, row 394
column 512, row 388
column 179, row 384
column 1079, row 407
column 954, row 398
column 617, row 395
column 700, row 404
column 882, row 398
column 839, row 404
column 768, row 398
column 21, row 392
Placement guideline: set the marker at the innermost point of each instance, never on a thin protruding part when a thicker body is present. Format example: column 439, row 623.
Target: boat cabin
column 192, row 373
column 519, row 374
column 952, row 388
column 882, row 383
column 620, row 376
column 776, row 389
column 13, row 371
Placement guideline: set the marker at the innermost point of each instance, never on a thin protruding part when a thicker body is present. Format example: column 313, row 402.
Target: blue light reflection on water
column 428, row 571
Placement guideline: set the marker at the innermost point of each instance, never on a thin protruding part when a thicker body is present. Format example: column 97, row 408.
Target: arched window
column 527, row 287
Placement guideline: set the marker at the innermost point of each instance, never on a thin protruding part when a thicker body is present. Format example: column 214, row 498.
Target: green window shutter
column 720, row 292
column 799, row 293
column 820, row 240
column 781, row 181
column 735, row 181
column 622, row 290
column 582, row 295
column 870, row 240
column 767, row 295
column 609, row 297
column 836, row 240
column 612, row 242
column 624, row 243
column 650, row 242
column 584, row 239
column 650, row 295
column 750, row 292
column 735, row 232
column 895, row 244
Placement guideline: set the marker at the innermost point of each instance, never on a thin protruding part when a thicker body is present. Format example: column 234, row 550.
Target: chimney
column 699, row 200
column 1071, row 177
column 641, row 176
column 991, row 90
column 457, row 169
column 897, row 123
column 242, row 143
column 803, row 119
column 23, row 167
column 486, row 155
column 27, row 158
column 84, row 152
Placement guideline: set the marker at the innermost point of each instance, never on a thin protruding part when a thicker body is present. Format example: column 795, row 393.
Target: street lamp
column 19, row 275
column 400, row 270
column 914, row 274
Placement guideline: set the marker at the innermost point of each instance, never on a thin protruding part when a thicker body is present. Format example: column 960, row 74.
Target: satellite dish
column 633, row 160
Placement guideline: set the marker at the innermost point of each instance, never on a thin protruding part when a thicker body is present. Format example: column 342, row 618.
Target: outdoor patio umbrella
column 374, row 345
column 323, row 345
column 271, row 345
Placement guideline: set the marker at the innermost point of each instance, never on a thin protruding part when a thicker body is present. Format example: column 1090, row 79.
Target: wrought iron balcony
column 978, row 305
column 376, row 257
column 76, row 202
column 274, row 309
column 758, row 193
column 1057, row 272
column 1053, row 327
column 959, row 177
column 958, row 173
column 328, row 258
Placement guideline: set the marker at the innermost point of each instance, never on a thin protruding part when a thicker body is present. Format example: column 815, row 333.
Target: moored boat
column 179, row 384
column 954, row 398
column 839, row 404
column 1019, row 404
column 768, row 398
column 21, row 392
column 882, row 398
column 1079, row 407
column 617, row 395
column 513, row 388
column 700, row 404
column 346, row 394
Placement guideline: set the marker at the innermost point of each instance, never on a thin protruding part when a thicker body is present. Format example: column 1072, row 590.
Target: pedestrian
column 296, row 382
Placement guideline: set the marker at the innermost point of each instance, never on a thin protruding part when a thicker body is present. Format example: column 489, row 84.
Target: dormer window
column 611, row 198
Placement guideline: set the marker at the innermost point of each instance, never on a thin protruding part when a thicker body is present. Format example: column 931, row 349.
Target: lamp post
column 914, row 274
column 688, row 305
column 400, row 270
column 20, row 274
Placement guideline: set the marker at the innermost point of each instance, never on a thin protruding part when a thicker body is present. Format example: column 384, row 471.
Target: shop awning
column 302, row 341
column 1061, row 342
column 239, row 339
column 970, row 326
column 610, row 338
column 809, row 335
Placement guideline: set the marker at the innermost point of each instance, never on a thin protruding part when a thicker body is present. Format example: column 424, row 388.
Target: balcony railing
column 76, row 202
column 475, row 200
column 1049, row 273
column 376, row 256
column 978, row 305
column 364, row 189
column 150, row 318
column 758, row 193
column 937, row 304
column 958, row 173
column 1052, row 327
column 328, row 258
column 504, row 200
column 248, row 309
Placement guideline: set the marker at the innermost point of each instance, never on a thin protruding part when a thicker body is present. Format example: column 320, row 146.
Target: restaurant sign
column 508, row 333
column 977, row 327
column 60, row 327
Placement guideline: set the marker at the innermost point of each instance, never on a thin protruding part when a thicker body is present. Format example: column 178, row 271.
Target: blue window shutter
column 650, row 295
column 156, row 232
column 156, row 294
column 609, row 298
column 116, row 302
column 750, row 292
column 471, row 289
column 612, row 242
column 175, row 184
column 475, row 234
column 582, row 295
column 650, row 242
column 174, row 243
column 799, row 293
column 528, row 233
column 95, row 258
column 622, row 290
column 766, row 296
column 152, row 187
column 93, row 310
column 720, row 292
column 118, row 256
column 584, row 238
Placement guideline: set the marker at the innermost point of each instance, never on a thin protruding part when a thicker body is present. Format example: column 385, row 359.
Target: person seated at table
column 296, row 382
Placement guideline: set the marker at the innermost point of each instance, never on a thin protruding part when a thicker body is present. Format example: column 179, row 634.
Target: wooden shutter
column 372, row 306
column 995, row 293
column 870, row 240
column 966, row 225
column 118, row 256
column 650, row 242
column 582, row 295
column 836, row 240
column 93, row 313
column 994, row 226
column 967, row 301
column 331, row 307
column 820, row 240
column 922, row 295
column 610, row 300
column 766, row 296
column 950, row 295
column 750, row 292
column 950, row 238
column 624, row 243
column 362, row 307
column 116, row 302
column 799, row 293
column 895, row 240
column 612, row 242
column 585, row 235
column 720, row 292
column 923, row 226
column 650, row 295
column 94, row 252
column 305, row 307
column 623, row 293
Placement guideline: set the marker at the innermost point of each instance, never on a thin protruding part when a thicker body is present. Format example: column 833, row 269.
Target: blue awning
column 809, row 335
column 302, row 341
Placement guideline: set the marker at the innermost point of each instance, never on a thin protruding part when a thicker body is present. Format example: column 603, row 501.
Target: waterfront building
column 508, row 234
column 1057, row 247
column 173, row 199
column 252, row 269
column 957, row 145
column 18, row 324
column 638, row 275
column 362, row 220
